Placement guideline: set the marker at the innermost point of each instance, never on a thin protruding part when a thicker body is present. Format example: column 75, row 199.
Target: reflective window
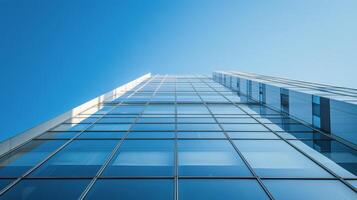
column 301, row 135
column 58, row 135
column 192, row 109
column 289, row 127
column 143, row 158
column 116, row 120
column 110, row 127
column 225, row 109
column 201, row 134
column 237, row 120
column 198, row 127
column 153, row 127
column 332, row 154
column 209, row 158
column 79, row 159
column 244, row 127
column 70, row 127
column 151, row 134
column 160, row 109
column 195, row 120
column 132, row 189
column 21, row 160
column 156, row 120
column 275, row 158
column 252, row 135
column 4, row 183
column 102, row 135
column 124, row 109
column 219, row 189
column 309, row 189
column 43, row 189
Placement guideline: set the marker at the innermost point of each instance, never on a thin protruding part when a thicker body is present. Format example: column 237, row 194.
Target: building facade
column 163, row 137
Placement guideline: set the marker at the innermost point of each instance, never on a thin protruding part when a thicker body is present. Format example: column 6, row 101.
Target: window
column 209, row 158
column 153, row 127
column 125, row 109
column 237, row 120
column 110, row 127
column 225, row 109
column 151, row 135
column 81, row 158
column 58, row 135
column 195, row 120
column 130, row 189
column 19, row 161
column 275, row 158
column 192, row 109
column 102, row 135
column 143, row 158
column 244, row 127
column 156, row 120
column 116, row 120
column 160, row 109
column 201, row 134
column 334, row 155
column 198, row 127
column 309, row 189
column 43, row 189
column 219, row 189
column 4, row 183
column 252, row 135
column 70, row 127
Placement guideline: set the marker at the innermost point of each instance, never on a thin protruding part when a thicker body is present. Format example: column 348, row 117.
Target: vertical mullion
column 176, row 197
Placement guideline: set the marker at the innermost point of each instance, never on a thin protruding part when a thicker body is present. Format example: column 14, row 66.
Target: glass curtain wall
column 180, row 138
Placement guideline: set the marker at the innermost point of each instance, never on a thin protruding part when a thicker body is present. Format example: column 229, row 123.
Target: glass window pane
column 70, row 127
column 219, row 189
column 143, row 158
column 209, row 158
column 116, row 120
column 43, row 189
column 132, row 189
column 195, row 120
column 156, row 119
column 225, row 109
column 332, row 154
column 19, row 161
column 252, row 135
column 102, row 135
column 237, row 120
column 110, row 127
column 81, row 158
column 192, row 109
column 275, row 158
column 309, row 190
column 151, row 135
column 125, row 109
column 244, row 127
column 198, row 127
column 201, row 134
column 153, row 127
column 58, row 135
column 159, row 109
column 5, row 182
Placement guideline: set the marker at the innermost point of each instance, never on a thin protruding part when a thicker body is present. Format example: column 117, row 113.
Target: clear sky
column 55, row 55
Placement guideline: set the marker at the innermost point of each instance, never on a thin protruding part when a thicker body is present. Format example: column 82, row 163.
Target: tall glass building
column 226, row 137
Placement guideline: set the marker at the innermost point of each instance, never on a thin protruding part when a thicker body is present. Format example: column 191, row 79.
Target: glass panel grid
column 181, row 135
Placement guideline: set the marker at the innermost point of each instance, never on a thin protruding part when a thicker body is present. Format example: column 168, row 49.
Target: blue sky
column 55, row 55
